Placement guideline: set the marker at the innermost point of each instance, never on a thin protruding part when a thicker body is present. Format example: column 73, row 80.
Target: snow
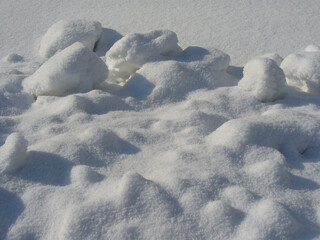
column 75, row 69
column 182, row 143
column 13, row 153
column 264, row 79
column 128, row 54
column 302, row 69
column 66, row 32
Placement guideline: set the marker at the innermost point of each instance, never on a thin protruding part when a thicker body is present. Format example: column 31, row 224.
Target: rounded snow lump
column 263, row 78
column 302, row 70
column 128, row 54
column 13, row 153
column 75, row 69
column 66, row 32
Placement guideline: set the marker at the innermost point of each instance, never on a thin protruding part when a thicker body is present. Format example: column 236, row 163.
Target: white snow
column 66, row 32
column 263, row 78
column 182, row 143
column 13, row 153
column 128, row 54
column 75, row 69
column 302, row 69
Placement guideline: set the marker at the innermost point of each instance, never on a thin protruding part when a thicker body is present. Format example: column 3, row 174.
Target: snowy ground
column 110, row 129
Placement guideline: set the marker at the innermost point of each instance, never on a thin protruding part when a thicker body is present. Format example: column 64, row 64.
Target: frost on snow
column 263, row 78
column 128, row 54
column 66, row 32
column 75, row 69
column 13, row 153
column 302, row 69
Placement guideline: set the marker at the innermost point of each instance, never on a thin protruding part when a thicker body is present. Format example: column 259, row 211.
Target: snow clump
column 302, row 69
column 13, row 153
column 128, row 54
column 66, row 32
column 263, row 77
column 75, row 69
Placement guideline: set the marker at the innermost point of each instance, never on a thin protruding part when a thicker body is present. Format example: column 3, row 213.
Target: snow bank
column 263, row 78
column 13, row 153
column 66, row 32
column 75, row 69
column 128, row 54
column 302, row 69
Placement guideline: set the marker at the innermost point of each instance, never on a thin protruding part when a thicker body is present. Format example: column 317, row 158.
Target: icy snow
column 75, row 69
column 302, row 69
column 128, row 54
column 183, row 145
column 66, row 32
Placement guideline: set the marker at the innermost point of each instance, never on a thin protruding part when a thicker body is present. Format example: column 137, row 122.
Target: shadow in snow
column 11, row 206
column 46, row 168
column 107, row 39
column 137, row 87
column 236, row 72
column 192, row 54
column 300, row 183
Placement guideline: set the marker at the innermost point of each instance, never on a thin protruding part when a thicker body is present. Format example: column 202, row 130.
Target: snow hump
column 74, row 69
column 263, row 78
column 302, row 69
column 128, row 54
column 66, row 32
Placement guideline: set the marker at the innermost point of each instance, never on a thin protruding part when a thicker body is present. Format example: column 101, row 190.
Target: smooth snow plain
column 136, row 136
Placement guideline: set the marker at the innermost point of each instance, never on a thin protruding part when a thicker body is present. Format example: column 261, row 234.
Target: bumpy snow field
column 116, row 124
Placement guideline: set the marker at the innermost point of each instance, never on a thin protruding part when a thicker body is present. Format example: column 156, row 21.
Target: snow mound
column 273, row 56
column 75, row 69
column 264, row 79
column 268, row 220
column 170, row 81
column 13, row 153
column 13, row 58
column 312, row 48
column 128, row 54
column 66, row 32
column 219, row 220
column 302, row 70
column 83, row 175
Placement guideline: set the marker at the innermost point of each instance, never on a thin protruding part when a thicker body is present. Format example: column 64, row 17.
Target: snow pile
column 128, row 54
column 74, row 69
column 263, row 77
column 302, row 69
column 13, row 153
column 170, row 81
column 66, row 32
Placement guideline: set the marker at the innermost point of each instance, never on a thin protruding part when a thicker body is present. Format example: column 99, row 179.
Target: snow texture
column 302, row 69
column 128, row 54
column 66, row 32
column 13, row 153
column 75, row 69
column 264, row 79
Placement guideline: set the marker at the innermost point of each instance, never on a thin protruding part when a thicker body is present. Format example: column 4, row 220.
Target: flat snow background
column 243, row 29
column 181, row 151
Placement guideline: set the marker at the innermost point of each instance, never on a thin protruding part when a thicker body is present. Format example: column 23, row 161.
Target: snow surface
column 177, row 150
column 66, row 32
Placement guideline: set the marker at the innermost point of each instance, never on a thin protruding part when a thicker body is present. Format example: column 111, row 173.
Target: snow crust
column 187, row 146
column 302, row 69
column 75, row 69
column 66, row 32
column 263, row 77
column 128, row 54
